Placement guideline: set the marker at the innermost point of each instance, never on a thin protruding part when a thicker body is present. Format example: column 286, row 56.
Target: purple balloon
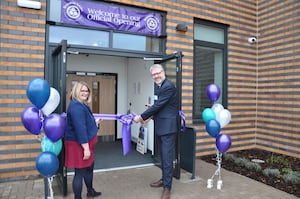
column 31, row 120
column 223, row 142
column 54, row 127
column 213, row 92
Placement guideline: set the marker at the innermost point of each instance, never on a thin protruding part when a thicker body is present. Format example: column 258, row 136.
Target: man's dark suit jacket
column 165, row 110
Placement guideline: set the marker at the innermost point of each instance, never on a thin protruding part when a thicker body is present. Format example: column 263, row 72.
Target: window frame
column 196, row 117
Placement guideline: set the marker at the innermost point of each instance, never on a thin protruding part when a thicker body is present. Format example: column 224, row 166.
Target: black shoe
column 93, row 193
column 158, row 183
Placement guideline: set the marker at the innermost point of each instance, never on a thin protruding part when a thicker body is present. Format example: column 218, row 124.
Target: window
column 78, row 36
column 209, row 64
column 135, row 42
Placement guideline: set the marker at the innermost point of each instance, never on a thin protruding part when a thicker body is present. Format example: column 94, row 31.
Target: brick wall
column 22, row 36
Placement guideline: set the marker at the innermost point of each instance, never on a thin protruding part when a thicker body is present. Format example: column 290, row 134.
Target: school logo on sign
column 152, row 23
column 73, row 10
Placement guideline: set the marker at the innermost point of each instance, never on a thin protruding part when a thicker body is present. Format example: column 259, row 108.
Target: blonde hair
column 76, row 90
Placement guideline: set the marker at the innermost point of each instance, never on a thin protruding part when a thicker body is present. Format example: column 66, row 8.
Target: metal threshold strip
column 118, row 168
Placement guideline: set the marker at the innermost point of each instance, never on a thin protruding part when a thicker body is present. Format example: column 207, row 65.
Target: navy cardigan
column 81, row 125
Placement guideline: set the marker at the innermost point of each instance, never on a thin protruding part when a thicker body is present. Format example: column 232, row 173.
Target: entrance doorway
column 127, row 82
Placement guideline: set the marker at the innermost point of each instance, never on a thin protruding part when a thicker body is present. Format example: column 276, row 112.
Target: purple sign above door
column 94, row 14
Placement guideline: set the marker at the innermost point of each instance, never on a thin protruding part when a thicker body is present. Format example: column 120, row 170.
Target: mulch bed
column 270, row 161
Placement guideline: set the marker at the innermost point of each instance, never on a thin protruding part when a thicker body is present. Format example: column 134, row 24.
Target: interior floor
column 109, row 155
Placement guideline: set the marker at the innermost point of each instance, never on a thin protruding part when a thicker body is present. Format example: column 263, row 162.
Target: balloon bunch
column 38, row 116
column 215, row 119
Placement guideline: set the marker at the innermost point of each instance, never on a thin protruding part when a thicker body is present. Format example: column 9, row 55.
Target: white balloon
column 217, row 108
column 52, row 102
column 223, row 117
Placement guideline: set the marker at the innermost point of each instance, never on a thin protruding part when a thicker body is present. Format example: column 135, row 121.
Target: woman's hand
column 86, row 154
column 86, row 151
column 98, row 121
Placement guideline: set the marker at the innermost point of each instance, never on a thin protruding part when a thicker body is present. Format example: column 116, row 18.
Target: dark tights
column 87, row 175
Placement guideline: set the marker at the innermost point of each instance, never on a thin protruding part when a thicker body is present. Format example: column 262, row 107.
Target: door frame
column 55, row 73
column 56, row 76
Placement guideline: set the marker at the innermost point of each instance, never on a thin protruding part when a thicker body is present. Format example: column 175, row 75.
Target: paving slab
column 134, row 184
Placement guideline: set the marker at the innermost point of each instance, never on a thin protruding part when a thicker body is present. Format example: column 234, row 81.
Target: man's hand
column 138, row 119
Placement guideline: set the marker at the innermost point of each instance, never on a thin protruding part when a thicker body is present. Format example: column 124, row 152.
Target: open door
column 173, row 69
column 56, row 76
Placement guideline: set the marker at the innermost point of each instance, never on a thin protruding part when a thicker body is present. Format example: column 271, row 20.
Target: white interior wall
column 135, row 85
column 140, row 92
column 104, row 64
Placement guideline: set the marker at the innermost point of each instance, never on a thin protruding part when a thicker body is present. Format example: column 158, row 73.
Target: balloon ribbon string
column 219, row 162
column 50, row 180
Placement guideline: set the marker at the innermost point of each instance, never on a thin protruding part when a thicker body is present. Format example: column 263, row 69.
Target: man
column 165, row 113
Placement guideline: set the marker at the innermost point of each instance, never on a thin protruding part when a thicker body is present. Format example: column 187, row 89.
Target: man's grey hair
column 156, row 66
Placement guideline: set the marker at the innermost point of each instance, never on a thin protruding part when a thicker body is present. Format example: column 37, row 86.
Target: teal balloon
column 48, row 145
column 208, row 114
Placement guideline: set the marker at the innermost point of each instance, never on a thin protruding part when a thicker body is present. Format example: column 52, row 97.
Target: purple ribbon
column 126, row 121
column 183, row 119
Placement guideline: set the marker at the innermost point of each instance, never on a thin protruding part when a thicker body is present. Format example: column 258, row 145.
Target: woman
column 80, row 140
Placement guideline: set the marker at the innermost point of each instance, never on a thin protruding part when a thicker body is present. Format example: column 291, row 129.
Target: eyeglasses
column 158, row 73
column 84, row 91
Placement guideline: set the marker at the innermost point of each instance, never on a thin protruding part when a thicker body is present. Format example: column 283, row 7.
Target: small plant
column 253, row 166
column 271, row 172
column 277, row 160
column 241, row 161
column 287, row 170
column 229, row 157
column 292, row 177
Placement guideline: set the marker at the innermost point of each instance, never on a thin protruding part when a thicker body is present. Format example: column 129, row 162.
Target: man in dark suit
column 165, row 113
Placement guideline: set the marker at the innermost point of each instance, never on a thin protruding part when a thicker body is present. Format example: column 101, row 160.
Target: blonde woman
column 80, row 140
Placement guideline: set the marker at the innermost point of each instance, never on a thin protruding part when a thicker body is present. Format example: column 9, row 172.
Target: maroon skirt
column 74, row 154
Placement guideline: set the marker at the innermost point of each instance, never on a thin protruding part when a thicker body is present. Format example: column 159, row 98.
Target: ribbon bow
column 126, row 121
